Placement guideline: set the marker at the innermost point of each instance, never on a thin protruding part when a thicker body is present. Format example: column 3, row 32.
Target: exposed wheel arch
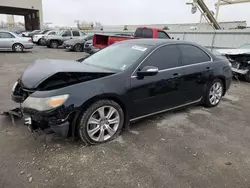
column 92, row 100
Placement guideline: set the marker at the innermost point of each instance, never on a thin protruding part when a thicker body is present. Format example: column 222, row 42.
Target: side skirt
column 169, row 109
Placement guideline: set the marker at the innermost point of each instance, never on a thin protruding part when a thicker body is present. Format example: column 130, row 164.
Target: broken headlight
column 47, row 103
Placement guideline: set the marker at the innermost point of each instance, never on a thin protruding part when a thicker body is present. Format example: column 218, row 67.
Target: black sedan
column 98, row 95
column 77, row 44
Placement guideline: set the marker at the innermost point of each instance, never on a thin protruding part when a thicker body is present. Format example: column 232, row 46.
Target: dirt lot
column 194, row 147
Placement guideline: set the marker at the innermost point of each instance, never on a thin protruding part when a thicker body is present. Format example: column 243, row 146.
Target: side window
column 192, row 55
column 76, row 33
column 165, row 57
column 52, row 33
column 5, row 35
column 147, row 33
column 162, row 35
column 67, row 33
column 138, row 33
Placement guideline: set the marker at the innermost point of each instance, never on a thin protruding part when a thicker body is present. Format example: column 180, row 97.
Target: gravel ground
column 193, row 147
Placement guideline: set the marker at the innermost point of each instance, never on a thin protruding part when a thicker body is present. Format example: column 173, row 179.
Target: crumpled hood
column 41, row 70
column 233, row 51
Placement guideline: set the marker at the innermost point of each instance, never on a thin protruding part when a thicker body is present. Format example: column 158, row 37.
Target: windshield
column 117, row 57
column 245, row 46
column 44, row 32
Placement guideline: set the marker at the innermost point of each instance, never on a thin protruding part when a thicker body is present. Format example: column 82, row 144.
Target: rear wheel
column 78, row 48
column 54, row 44
column 17, row 48
column 247, row 76
column 101, row 122
column 214, row 93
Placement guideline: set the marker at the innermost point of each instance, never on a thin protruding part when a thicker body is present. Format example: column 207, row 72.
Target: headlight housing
column 47, row 103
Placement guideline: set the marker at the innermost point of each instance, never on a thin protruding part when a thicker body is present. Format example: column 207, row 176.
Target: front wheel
column 78, row 48
column 214, row 93
column 101, row 122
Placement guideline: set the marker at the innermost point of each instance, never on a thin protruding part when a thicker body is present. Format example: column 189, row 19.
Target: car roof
column 156, row 42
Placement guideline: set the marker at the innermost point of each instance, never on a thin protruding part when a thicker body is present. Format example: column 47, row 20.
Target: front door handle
column 176, row 75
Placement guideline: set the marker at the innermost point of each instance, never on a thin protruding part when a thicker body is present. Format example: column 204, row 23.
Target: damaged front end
column 45, row 114
column 240, row 65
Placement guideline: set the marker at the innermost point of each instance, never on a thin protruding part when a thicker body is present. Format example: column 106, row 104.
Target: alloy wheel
column 78, row 48
column 103, row 123
column 18, row 48
column 215, row 93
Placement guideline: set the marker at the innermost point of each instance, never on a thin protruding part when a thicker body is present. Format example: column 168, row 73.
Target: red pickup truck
column 101, row 40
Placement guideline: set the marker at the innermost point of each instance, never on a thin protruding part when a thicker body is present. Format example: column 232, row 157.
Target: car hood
column 61, row 72
column 233, row 51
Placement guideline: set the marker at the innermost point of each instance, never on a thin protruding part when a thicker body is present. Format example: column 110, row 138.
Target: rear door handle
column 176, row 75
column 208, row 68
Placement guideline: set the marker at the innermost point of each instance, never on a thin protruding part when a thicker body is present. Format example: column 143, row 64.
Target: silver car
column 13, row 42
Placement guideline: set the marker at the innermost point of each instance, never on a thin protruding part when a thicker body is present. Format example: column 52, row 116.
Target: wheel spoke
column 110, row 112
column 93, row 120
column 114, row 121
column 101, row 112
column 110, row 130
column 93, row 131
column 101, row 135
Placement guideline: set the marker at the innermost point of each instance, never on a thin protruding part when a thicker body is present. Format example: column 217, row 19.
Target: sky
column 128, row 12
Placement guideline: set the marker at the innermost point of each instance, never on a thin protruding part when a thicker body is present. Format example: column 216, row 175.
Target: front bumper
column 67, row 46
column 57, row 121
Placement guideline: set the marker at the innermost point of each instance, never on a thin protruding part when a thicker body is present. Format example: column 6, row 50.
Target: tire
column 78, row 48
column 101, row 130
column 215, row 91
column 247, row 76
column 17, row 47
column 40, row 42
column 54, row 44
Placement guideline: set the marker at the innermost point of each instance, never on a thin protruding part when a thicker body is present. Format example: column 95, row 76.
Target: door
column 67, row 35
column 6, row 40
column 196, row 70
column 76, row 34
column 155, row 93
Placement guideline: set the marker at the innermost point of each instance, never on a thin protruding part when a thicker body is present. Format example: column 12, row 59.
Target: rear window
column 147, row 33
column 138, row 33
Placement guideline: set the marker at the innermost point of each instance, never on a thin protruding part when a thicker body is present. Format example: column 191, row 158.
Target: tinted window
column 162, row 35
column 147, row 33
column 164, row 58
column 4, row 35
column 192, row 54
column 76, row 33
column 52, row 33
column 138, row 33
column 67, row 33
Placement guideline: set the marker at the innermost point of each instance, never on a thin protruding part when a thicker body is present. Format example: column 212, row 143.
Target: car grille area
column 20, row 94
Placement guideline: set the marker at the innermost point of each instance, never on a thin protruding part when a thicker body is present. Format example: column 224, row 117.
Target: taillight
column 29, row 40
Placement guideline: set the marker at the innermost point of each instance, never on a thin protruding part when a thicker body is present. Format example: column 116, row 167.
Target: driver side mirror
column 147, row 71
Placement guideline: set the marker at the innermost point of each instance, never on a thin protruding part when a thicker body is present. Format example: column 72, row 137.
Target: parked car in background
column 77, row 44
column 240, row 60
column 13, row 42
column 89, row 48
column 40, row 38
column 54, row 41
column 97, row 95
column 29, row 34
